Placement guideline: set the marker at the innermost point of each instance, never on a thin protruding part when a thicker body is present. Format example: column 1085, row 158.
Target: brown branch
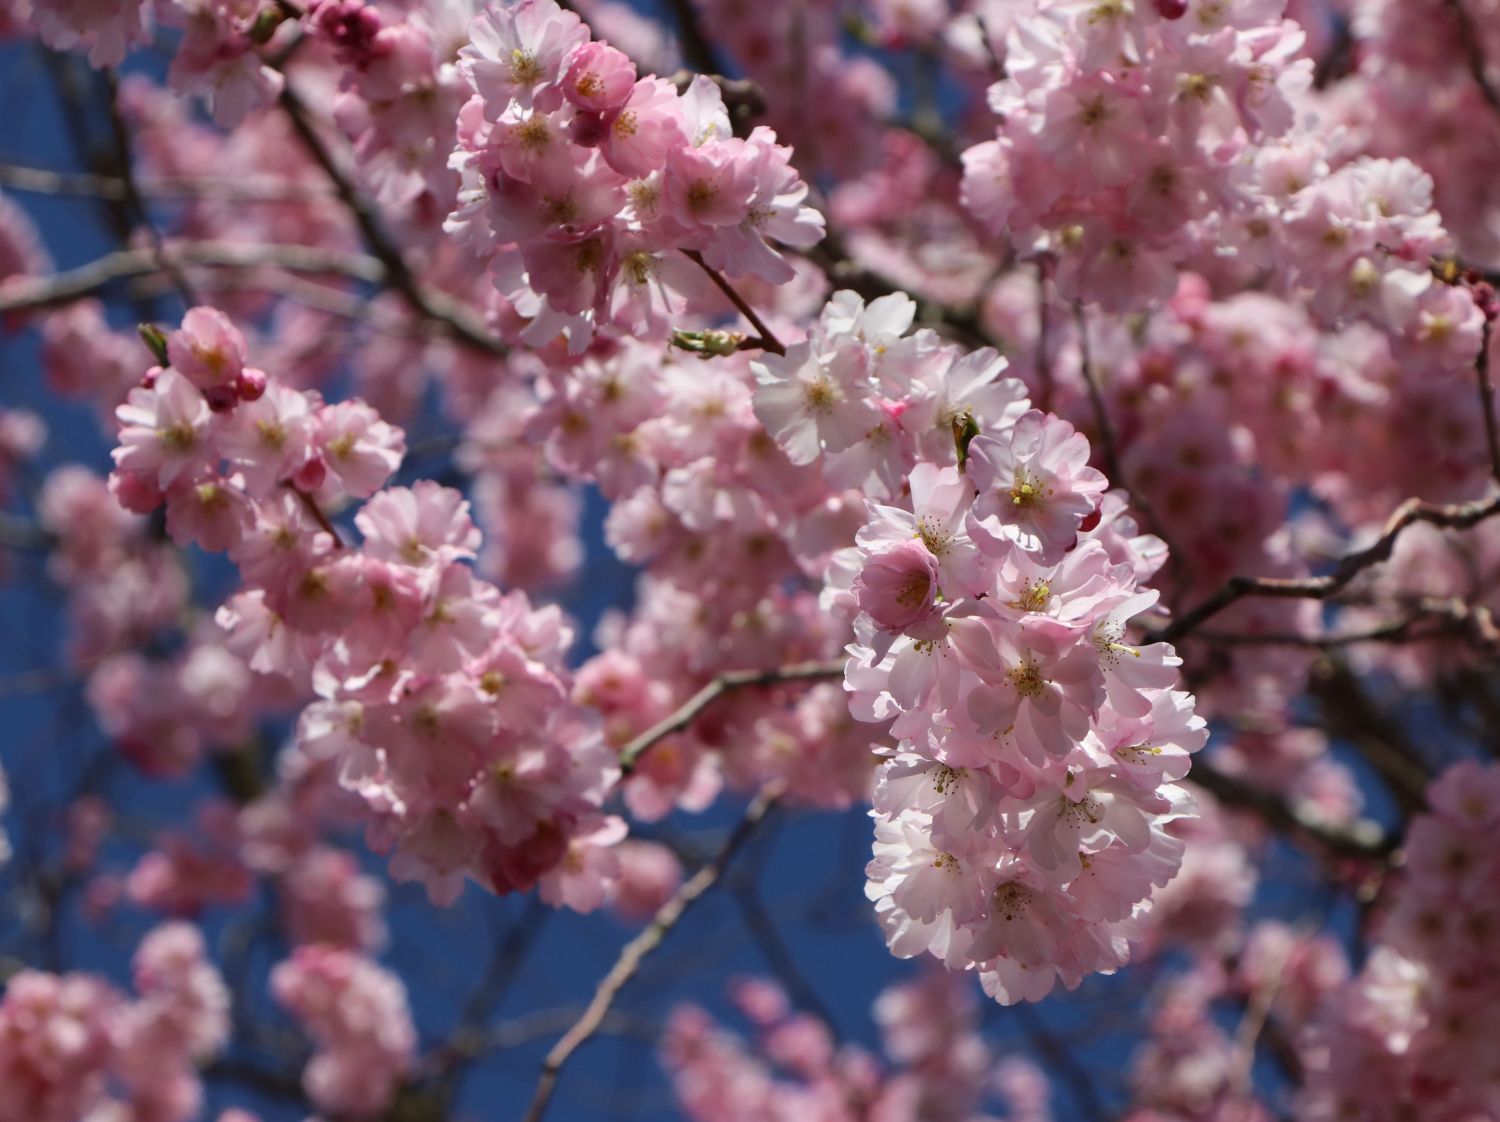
column 31, row 293
column 310, row 504
column 471, row 1037
column 1473, row 48
column 1252, row 1024
column 744, row 100
column 1487, row 396
column 1109, row 444
column 462, row 321
column 539, row 1023
column 46, row 181
column 638, row 948
column 688, row 712
column 18, row 533
column 833, row 257
column 1362, row 838
column 1457, row 516
column 1077, row 1076
column 1350, row 714
column 132, row 194
column 768, row 338
column 1448, row 618
column 778, row 955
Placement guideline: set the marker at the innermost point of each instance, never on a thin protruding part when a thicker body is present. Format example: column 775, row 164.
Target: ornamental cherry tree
column 876, row 562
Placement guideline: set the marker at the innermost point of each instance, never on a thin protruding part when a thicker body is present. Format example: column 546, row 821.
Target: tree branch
column 1487, row 396
column 1448, row 617
column 27, row 294
column 688, row 712
column 1362, row 838
column 132, row 195
column 638, row 948
column 768, row 338
column 1473, row 48
column 46, row 181
column 1457, row 516
column 310, row 504
column 1109, row 445
column 460, row 320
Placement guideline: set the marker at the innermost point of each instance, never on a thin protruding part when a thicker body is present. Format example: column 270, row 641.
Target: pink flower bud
column 1171, row 9
column 221, row 399
column 251, row 384
column 309, row 477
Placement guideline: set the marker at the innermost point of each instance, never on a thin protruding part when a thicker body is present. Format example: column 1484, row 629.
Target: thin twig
column 1361, row 838
column 310, row 504
column 132, row 194
column 688, row 712
column 1473, row 47
column 1077, row 1076
column 638, row 948
column 461, row 320
column 1351, row 715
column 1257, row 1013
column 27, row 294
column 1458, row 516
column 1447, row 617
column 26, row 683
column 46, row 181
column 767, row 336
column 1109, row 443
column 1487, row 396
column 779, row 957
column 547, row 1022
column 18, row 533
column 843, row 271
column 471, row 1037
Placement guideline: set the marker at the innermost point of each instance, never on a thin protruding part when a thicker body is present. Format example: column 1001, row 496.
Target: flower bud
column 309, row 477
column 221, row 399
column 251, row 384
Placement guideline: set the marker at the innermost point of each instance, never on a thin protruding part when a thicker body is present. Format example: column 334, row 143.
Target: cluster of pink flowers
column 1407, row 98
column 938, row 1068
column 1413, row 1032
column 828, row 102
column 401, row 94
column 1119, row 122
column 72, row 1047
column 218, row 54
column 444, row 701
column 357, row 1015
column 584, row 185
column 1123, row 128
column 1020, row 826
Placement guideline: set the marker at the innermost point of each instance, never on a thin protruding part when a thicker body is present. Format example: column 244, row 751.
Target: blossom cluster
column 586, row 187
column 937, row 1067
column 1123, row 126
column 1411, row 1033
column 357, row 1015
column 1021, row 824
column 71, row 1045
column 443, row 700
column 1135, row 141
